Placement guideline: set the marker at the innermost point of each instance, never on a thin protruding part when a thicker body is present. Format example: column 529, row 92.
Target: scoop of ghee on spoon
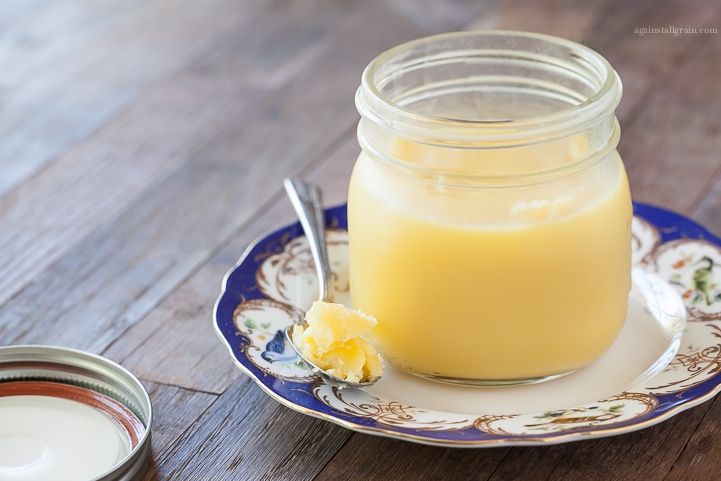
column 330, row 340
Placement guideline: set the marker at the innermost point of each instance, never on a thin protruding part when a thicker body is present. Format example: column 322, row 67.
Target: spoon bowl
column 324, row 375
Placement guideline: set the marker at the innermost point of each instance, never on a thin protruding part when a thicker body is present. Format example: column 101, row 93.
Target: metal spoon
column 306, row 201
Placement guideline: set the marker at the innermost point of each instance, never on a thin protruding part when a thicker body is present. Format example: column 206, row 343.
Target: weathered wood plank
column 71, row 65
column 174, row 412
column 643, row 61
column 670, row 144
column 701, row 458
column 246, row 436
column 646, row 62
column 566, row 18
column 95, row 181
column 360, row 460
column 709, row 210
column 211, row 155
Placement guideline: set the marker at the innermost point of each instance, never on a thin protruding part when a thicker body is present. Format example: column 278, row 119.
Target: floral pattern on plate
column 613, row 410
column 274, row 283
column 693, row 267
column 359, row 404
column 261, row 323
column 289, row 276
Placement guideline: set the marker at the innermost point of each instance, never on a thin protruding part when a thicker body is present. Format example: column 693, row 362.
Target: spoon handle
column 306, row 201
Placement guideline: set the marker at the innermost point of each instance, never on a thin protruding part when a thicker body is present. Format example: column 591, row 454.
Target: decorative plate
column 674, row 307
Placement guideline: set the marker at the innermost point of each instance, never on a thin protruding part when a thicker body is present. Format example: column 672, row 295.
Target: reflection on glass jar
column 489, row 212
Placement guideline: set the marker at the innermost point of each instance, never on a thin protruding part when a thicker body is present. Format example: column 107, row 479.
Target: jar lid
column 69, row 414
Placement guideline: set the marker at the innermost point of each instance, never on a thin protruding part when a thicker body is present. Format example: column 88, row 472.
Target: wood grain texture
column 78, row 63
column 359, row 459
column 142, row 149
column 674, row 132
column 243, row 436
column 174, row 411
column 700, row 459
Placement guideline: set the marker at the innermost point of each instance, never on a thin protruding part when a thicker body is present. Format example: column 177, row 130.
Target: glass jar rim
column 376, row 107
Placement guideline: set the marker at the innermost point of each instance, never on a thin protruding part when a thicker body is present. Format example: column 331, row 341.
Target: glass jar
column 489, row 212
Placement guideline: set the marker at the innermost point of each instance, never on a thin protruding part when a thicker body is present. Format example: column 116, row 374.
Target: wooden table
column 142, row 149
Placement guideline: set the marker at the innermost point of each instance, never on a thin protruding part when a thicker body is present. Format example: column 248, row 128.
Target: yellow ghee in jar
column 489, row 213
column 537, row 285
